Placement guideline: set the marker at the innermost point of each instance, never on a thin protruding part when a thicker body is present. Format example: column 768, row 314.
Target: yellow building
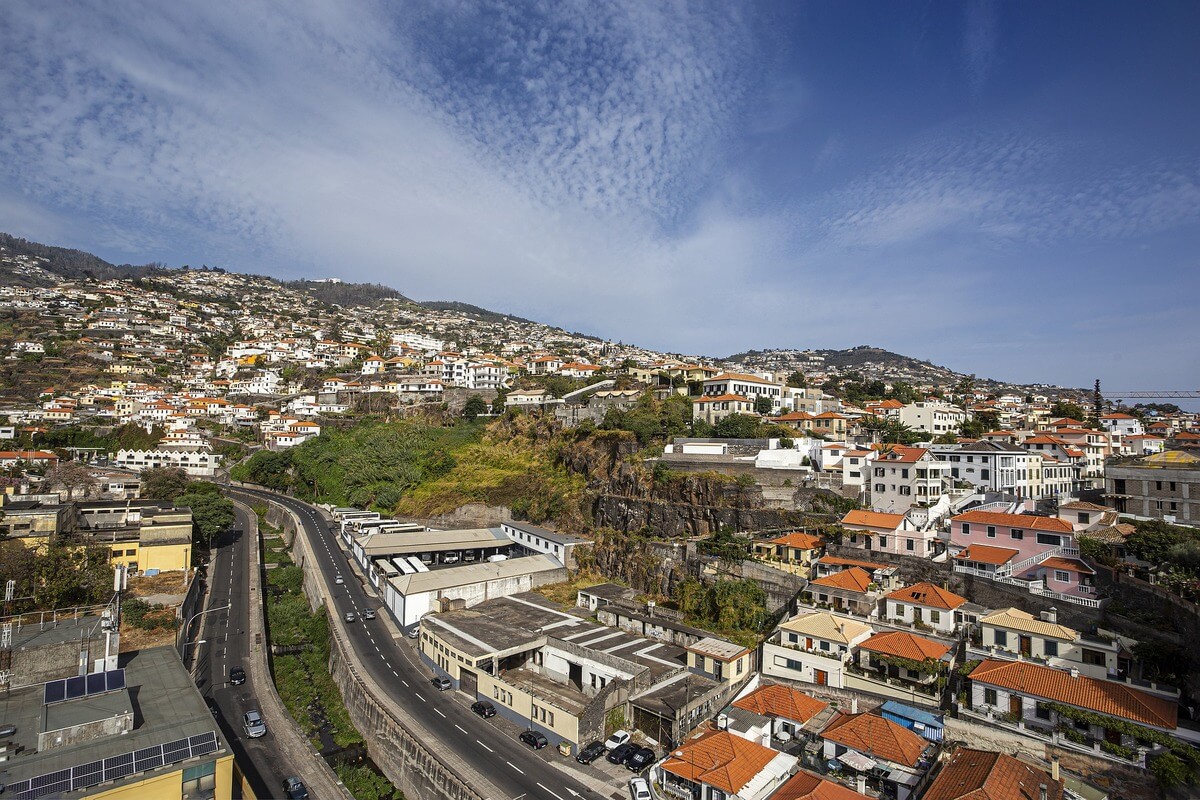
column 95, row 745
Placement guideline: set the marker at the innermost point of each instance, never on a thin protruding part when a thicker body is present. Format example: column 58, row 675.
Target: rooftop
column 906, row 645
column 929, row 595
column 984, row 775
column 882, row 738
column 435, row 580
column 777, row 700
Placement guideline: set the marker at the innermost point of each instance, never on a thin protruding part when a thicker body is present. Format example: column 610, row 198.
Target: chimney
column 1052, row 615
column 1074, row 672
column 853, row 705
column 1054, row 769
column 862, row 784
column 1041, row 791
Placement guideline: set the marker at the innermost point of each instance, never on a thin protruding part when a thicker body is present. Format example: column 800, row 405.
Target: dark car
column 639, row 759
column 237, row 676
column 590, row 753
column 440, row 683
column 294, row 789
column 619, row 753
column 534, row 739
column 483, row 708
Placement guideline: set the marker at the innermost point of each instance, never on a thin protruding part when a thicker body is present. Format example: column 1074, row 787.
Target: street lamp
column 183, row 632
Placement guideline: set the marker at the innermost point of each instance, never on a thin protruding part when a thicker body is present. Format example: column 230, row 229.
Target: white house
column 813, row 647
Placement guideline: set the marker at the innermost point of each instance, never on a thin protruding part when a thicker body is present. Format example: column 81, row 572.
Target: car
column 7, row 730
column 440, row 683
column 483, row 708
column 369, row 614
column 349, row 616
column 294, row 789
column 413, row 632
column 590, row 753
column 616, row 740
column 639, row 789
column 237, row 676
column 450, row 559
column 619, row 753
column 339, row 580
column 534, row 739
column 639, row 759
column 253, row 723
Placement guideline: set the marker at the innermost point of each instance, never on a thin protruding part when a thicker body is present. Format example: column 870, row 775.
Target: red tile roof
column 851, row 580
column 883, row 738
column 1104, row 697
column 986, row 554
column 719, row 759
column 1026, row 521
column 929, row 595
column 806, row 786
column 905, row 645
column 837, row 561
column 775, row 700
column 984, row 775
column 1069, row 564
column 873, row 519
column 799, row 540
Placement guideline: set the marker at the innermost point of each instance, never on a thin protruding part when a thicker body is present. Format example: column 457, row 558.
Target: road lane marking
column 438, row 711
column 418, row 696
column 404, row 681
column 518, row 769
column 552, row 794
column 461, row 728
column 484, row 746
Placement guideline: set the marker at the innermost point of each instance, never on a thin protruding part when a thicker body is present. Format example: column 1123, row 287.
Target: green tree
column 796, row 380
column 164, row 483
column 1065, row 408
column 737, row 426
column 1170, row 771
column 1153, row 540
column 266, row 468
column 212, row 512
column 474, row 406
column 762, row 404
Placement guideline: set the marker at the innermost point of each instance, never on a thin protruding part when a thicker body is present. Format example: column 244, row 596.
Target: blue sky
column 1011, row 189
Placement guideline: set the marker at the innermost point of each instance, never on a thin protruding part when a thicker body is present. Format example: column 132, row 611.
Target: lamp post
column 187, row 626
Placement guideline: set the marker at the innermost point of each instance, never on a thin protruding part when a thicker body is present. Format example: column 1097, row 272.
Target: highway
column 490, row 746
column 221, row 641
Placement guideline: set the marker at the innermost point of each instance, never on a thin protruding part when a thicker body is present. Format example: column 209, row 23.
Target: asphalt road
column 490, row 746
column 222, row 643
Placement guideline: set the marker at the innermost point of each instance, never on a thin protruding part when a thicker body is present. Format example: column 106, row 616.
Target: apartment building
column 906, row 476
column 1162, row 486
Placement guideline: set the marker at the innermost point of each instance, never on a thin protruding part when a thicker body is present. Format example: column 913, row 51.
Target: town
column 265, row 538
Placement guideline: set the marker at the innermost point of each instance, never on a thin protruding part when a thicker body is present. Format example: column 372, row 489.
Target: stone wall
column 471, row 515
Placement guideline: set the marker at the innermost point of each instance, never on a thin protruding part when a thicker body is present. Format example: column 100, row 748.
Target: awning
column 856, row 760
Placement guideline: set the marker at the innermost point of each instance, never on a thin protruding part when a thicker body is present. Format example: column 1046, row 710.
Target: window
column 883, row 539
column 879, row 487
column 1093, row 658
column 1062, row 576
column 899, row 609
column 989, row 697
column 200, row 781
column 1042, row 711
column 905, row 490
column 935, row 616
column 1049, row 538
column 966, row 528
column 1016, row 533
column 1050, row 648
column 1000, row 638
column 904, row 473
column 909, row 544
column 1158, row 486
column 991, row 531
column 825, row 645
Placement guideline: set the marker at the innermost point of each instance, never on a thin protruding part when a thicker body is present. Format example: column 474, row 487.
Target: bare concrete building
column 1162, row 486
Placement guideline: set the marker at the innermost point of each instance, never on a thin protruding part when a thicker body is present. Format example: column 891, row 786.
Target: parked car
column 440, row 683
column 639, row 789
column 414, row 632
column 252, row 721
column 237, row 676
column 450, row 559
column 534, row 739
column 350, row 616
column 616, row 740
column 369, row 614
column 619, row 753
column 639, row 759
column 590, row 753
column 294, row 789
column 483, row 708
column 339, row 580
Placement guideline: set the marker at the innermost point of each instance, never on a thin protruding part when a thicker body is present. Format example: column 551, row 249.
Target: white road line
column 397, row 674
column 518, row 769
column 404, row 681
column 418, row 696
column 461, row 728
column 552, row 794
column 438, row 711
column 484, row 746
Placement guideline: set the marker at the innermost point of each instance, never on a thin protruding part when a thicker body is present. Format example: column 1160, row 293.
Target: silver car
column 253, row 723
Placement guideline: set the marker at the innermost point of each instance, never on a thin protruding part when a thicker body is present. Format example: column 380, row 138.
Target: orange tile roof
column 873, row 519
column 1027, row 522
column 883, row 738
column 802, row 541
column 903, row 455
column 738, row 376
column 795, row 416
column 719, row 759
column 854, row 579
column 775, row 700
column 905, row 645
column 1069, row 564
column 806, row 786
column 986, row 554
column 928, row 594
column 984, row 775
column 1105, row 697
column 838, row 561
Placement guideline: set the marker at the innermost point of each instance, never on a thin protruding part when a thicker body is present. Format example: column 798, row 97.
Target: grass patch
column 305, row 686
column 565, row 593
column 367, row 784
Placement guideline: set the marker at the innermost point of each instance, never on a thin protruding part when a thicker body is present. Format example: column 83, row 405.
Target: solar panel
column 87, row 775
column 95, row 683
column 51, row 782
column 76, row 687
column 203, row 743
column 176, row 751
column 55, row 692
column 115, row 679
column 148, row 759
column 118, row 766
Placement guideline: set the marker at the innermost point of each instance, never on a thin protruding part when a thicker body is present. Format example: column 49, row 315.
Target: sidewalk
column 317, row 775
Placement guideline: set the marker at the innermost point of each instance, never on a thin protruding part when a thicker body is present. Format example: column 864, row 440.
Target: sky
column 1009, row 189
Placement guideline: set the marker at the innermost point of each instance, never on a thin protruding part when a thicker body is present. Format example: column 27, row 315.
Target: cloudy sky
column 1011, row 189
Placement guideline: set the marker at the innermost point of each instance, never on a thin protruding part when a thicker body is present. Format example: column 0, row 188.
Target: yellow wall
column 169, row 785
column 165, row 557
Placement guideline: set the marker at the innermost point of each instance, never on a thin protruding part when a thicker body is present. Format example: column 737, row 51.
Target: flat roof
column 394, row 543
column 165, row 704
column 550, row 536
column 473, row 573
column 717, row 648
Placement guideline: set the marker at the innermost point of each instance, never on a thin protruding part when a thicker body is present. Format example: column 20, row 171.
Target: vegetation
column 62, row 575
column 148, row 617
column 653, row 420
column 1065, row 408
column 735, row 608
